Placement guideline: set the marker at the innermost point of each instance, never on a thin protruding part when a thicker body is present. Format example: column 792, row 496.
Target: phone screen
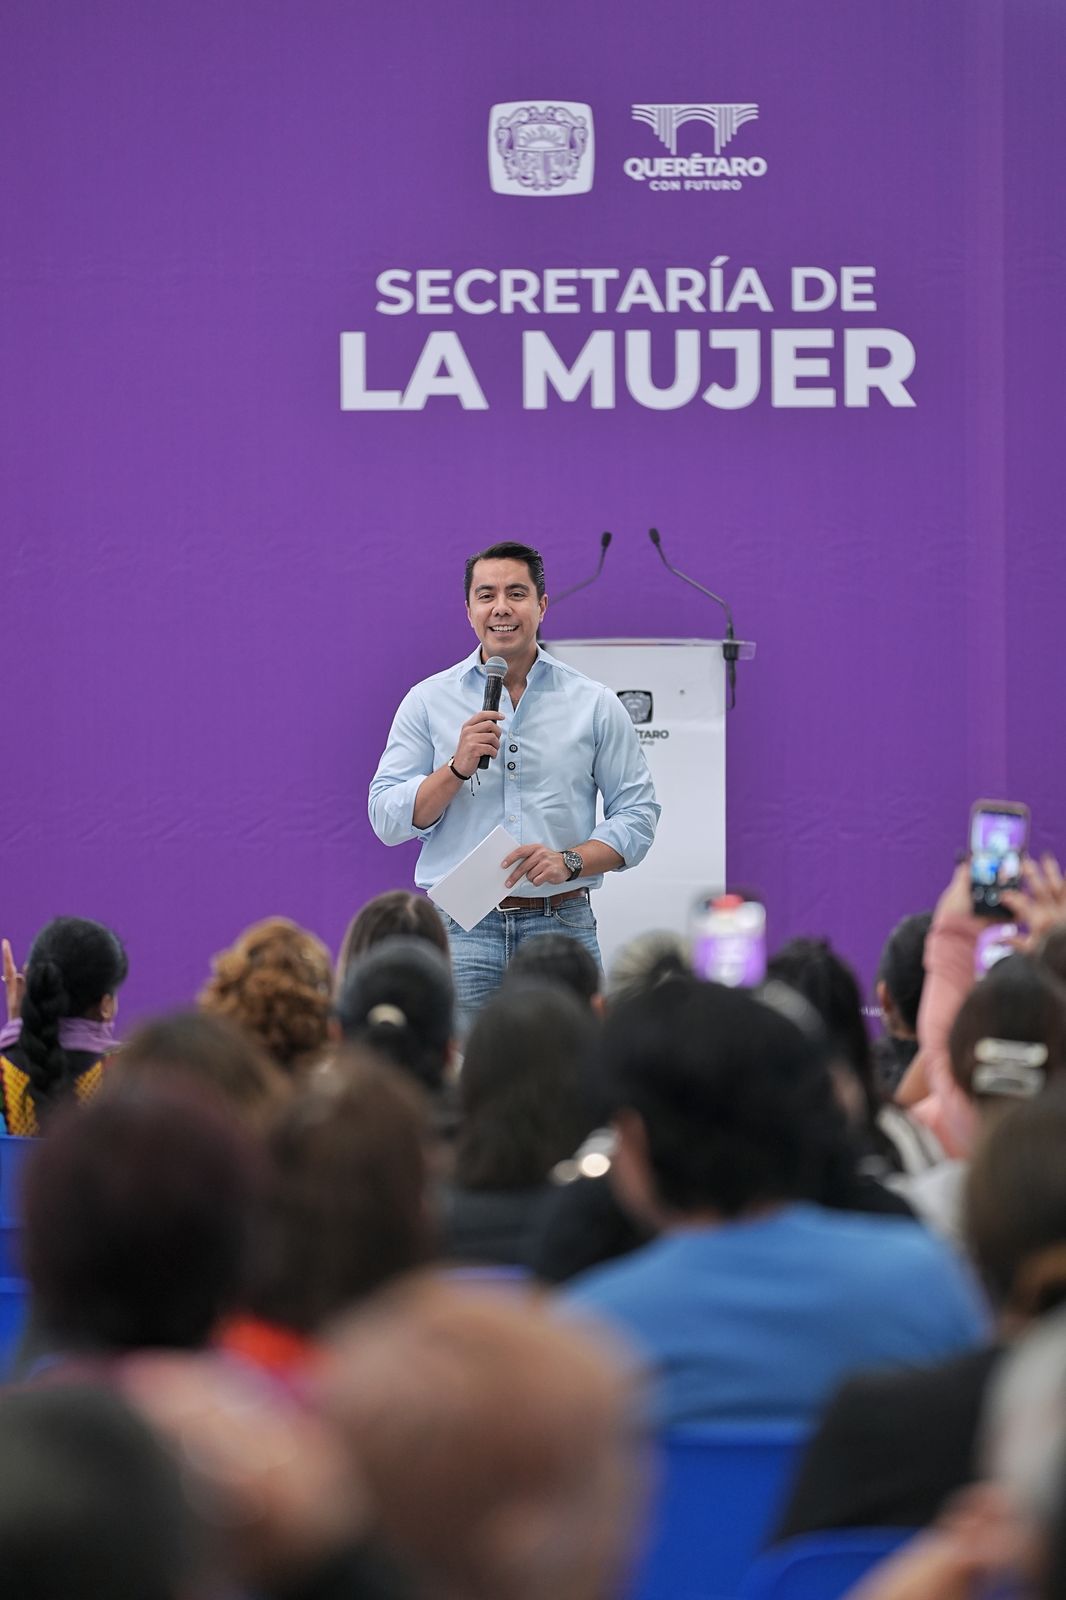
column 997, row 844
column 729, row 940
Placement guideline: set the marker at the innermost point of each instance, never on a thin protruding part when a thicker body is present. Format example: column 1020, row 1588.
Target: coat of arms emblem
column 541, row 147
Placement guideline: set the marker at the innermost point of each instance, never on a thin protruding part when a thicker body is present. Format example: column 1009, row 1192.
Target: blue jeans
column 480, row 957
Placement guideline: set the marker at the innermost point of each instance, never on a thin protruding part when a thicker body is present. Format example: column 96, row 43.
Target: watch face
column 573, row 862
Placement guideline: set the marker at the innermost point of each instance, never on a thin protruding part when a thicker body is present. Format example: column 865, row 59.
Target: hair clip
column 386, row 1016
column 1009, row 1067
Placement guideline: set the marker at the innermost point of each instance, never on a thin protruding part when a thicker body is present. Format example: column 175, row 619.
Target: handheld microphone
column 730, row 648
column 605, row 539
column 495, row 672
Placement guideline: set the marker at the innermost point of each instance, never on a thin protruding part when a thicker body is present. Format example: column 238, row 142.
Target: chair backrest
column 820, row 1566
column 720, row 1489
column 13, row 1152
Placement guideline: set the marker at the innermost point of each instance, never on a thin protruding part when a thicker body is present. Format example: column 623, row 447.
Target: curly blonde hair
column 275, row 981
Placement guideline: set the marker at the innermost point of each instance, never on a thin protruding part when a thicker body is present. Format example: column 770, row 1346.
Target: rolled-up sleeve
column 630, row 809
column 407, row 762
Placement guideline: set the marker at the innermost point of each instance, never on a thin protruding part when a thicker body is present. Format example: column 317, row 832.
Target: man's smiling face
column 505, row 610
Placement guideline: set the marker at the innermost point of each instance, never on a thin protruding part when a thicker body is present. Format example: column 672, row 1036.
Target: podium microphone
column 605, row 539
column 730, row 648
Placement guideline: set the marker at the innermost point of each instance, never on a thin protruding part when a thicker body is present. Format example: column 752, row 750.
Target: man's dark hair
column 736, row 1100
column 557, row 959
column 508, row 550
column 901, row 969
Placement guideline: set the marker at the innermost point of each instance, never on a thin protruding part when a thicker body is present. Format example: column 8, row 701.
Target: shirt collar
column 474, row 663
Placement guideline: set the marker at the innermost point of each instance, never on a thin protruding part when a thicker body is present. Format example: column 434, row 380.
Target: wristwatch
column 573, row 864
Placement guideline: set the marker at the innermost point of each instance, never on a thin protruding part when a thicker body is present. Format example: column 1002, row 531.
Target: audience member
column 399, row 999
column 499, row 1446
column 927, row 1087
column 886, row 1141
column 398, row 913
column 1003, row 1535
column 524, row 1107
column 138, row 1211
column 1007, row 1041
column 645, row 962
column 556, row 958
column 900, row 977
column 91, row 1505
column 893, row 1447
column 61, row 1014
column 345, row 1208
column 275, row 982
column 282, row 1497
column 213, row 1051
column 754, row 1302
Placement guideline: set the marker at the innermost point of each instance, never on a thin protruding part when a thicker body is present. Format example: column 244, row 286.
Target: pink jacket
column 949, row 977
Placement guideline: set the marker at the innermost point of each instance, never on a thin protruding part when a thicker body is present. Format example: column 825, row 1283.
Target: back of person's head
column 1016, row 1207
column 275, row 982
column 137, row 1213
column 902, row 972
column 555, row 958
column 397, row 914
column 1051, row 951
column 210, row 1050
column 399, row 999
column 1009, row 1035
column 91, row 1504
column 813, row 968
column 74, row 969
column 735, row 1098
column 524, row 1091
column 498, row 1442
column 345, row 1204
column 646, row 961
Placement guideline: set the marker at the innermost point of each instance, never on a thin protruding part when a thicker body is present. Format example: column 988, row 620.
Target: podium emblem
column 638, row 703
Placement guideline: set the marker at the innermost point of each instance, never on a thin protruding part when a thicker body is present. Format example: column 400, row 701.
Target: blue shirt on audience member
column 761, row 1318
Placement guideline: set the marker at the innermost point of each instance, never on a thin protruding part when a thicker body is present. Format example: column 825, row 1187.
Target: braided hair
column 72, row 965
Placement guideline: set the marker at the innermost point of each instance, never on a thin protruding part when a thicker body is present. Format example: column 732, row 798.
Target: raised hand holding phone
column 999, row 836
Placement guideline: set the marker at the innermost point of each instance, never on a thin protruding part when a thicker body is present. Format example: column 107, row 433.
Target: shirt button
column 512, row 818
column 513, row 749
column 510, row 777
column 510, row 766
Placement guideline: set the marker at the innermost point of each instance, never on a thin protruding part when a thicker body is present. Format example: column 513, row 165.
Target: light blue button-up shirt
column 568, row 740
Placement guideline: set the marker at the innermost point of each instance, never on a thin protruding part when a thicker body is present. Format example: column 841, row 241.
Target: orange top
column 17, row 1109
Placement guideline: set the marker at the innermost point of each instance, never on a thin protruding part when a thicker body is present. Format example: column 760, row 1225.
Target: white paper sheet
column 469, row 891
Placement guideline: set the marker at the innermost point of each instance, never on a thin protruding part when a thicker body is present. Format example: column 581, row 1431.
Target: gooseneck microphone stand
column 730, row 647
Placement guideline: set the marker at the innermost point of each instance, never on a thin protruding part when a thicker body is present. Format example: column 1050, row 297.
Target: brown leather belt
column 542, row 906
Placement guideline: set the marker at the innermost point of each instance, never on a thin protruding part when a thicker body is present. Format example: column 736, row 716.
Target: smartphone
column 729, row 939
column 999, row 834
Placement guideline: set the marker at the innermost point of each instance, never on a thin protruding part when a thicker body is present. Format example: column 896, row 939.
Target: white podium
column 675, row 691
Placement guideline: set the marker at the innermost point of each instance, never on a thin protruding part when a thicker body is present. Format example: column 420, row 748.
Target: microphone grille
column 496, row 667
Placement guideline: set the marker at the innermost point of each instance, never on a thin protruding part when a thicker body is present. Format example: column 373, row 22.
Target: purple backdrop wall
column 218, row 582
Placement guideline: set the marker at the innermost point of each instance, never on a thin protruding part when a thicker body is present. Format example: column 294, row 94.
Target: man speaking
column 557, row 741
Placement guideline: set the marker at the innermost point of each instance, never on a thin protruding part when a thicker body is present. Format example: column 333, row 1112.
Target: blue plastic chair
column 820, row 1566
column 13, row 1153
column 13, row 1302
column 13, row 1292
column 721, row 1488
